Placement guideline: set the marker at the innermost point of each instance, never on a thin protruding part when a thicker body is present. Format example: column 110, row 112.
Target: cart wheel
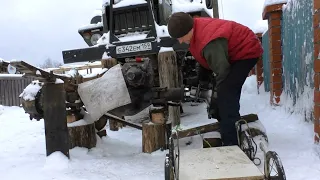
column 168, row 169
column 273, row 168
column 174, row 157
column 246, row 145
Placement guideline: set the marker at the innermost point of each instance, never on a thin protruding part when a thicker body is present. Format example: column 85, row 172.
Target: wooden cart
column 223, row 163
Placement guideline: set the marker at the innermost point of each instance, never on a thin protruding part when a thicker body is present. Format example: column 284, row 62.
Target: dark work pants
column 229, row 97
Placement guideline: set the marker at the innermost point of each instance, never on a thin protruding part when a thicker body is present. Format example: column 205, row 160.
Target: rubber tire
column 273, row 155
column 96, row 19
column 209, row 4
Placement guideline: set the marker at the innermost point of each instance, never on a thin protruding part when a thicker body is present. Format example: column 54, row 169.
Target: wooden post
column 215, row 8
column 55, row 118
column 154, row 132
column 168, row 77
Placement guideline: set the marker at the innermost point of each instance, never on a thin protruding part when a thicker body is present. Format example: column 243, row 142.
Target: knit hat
column 179, row 24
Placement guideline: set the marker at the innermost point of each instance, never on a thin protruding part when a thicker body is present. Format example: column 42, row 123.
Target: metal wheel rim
column 273, row 164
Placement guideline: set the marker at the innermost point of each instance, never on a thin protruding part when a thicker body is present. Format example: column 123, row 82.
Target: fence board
column 11, row 88
column 297, row 50
column 266, row 61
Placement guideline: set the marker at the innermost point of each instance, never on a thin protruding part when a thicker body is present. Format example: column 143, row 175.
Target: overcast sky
column 33, row 30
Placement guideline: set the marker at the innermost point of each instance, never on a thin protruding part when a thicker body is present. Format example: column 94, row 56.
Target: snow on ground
column 118, row 156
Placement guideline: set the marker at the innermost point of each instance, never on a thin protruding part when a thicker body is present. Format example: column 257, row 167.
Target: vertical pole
column 55, row 118
column 215, row 8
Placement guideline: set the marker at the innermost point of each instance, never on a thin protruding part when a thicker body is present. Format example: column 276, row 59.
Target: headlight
column 94, row 38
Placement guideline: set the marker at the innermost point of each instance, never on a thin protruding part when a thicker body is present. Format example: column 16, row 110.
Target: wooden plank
column 21, row 87
column 14, row 85
column 6, row 97
column 55, row 119
column 228, row 162
column 13, row 93
column 1, row 92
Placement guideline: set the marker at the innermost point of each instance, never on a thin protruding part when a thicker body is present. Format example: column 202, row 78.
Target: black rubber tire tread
column 209, row 4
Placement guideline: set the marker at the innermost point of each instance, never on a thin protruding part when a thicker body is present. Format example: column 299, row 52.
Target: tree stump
column 153, row 137
column 169, row 77
column 113, row 125
column 82, row 136
column 154, row 132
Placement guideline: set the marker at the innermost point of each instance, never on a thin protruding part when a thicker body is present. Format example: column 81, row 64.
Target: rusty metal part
column 138, row 74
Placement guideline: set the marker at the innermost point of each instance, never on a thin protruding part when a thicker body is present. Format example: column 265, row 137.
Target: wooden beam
column 55, row 118
column 80, row 67
column 131, row 124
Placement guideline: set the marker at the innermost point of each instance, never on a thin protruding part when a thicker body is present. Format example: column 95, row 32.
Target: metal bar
column 112, row 38
column 95, row 53
column 152, row 32
column 116, row 118
column 83, row 55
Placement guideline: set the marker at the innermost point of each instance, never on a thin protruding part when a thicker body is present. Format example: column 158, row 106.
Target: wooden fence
column 11, row 86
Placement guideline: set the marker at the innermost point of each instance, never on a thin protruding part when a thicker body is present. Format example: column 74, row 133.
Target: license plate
column 133, row 48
